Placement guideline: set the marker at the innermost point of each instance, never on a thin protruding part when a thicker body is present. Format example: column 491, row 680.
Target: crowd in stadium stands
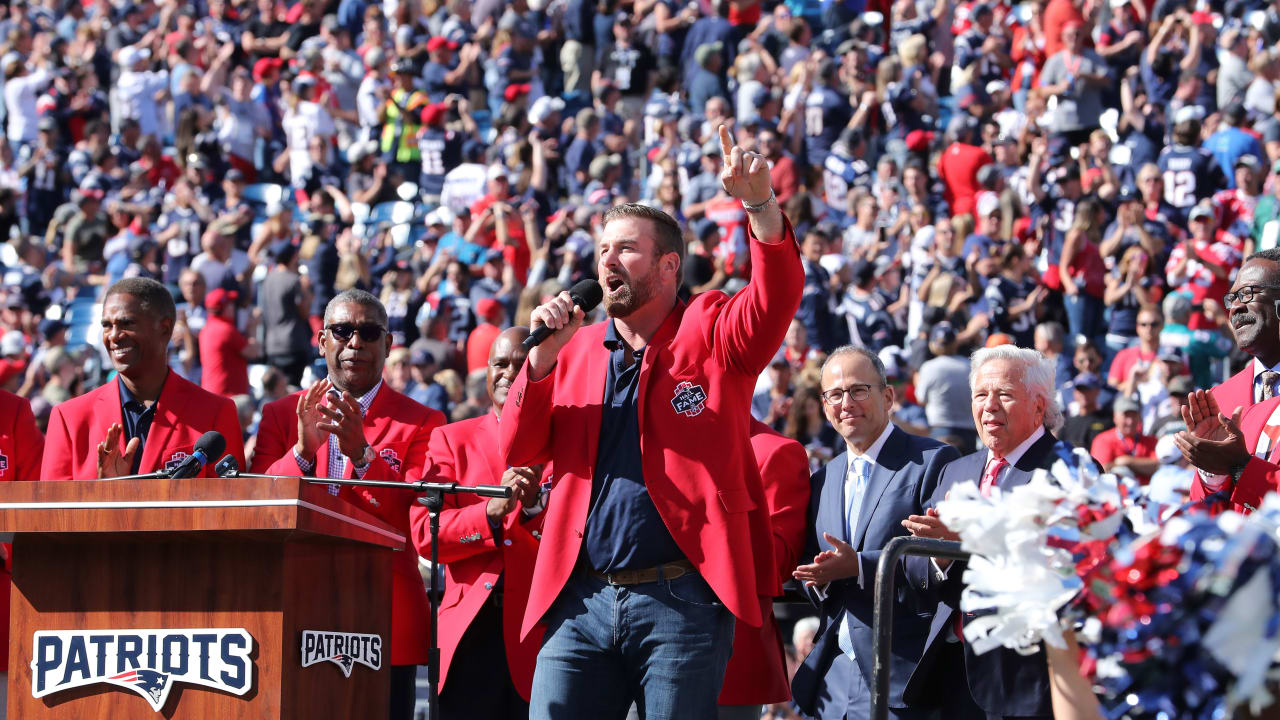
column 1084, row 177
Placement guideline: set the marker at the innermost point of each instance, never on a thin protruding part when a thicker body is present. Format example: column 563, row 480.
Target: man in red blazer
column 757, row 672
column 20, row 446
column 1239, row 455
column 657, row 503
column 488, row 548
column 1257, row 332
column 148, row 418
column 352, row 425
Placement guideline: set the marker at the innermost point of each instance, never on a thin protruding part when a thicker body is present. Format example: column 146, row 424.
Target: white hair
column 1037, row 374
column 806, row 629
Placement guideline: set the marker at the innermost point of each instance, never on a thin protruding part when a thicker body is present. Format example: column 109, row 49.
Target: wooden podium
column 275, row 557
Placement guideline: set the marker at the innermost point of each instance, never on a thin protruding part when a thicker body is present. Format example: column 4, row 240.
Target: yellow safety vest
column 407, row 150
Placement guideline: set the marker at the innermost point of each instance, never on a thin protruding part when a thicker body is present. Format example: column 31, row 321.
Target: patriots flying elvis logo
column 342, row 649
column 147, row 662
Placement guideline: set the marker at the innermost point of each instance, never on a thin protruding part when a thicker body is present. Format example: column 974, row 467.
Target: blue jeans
column 663, row 645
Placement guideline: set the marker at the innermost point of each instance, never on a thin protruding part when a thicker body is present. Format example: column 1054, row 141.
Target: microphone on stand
column 209, row 446
column 227, row 467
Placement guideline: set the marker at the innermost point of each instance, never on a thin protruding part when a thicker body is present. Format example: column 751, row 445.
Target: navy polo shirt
column 137, row 420
column 624, row 530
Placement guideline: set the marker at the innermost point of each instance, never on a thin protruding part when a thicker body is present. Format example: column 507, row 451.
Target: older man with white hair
column 1014, row 409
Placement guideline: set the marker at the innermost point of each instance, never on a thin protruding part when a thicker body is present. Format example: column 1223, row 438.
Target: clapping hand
column 839, row 563
column 1212, row 441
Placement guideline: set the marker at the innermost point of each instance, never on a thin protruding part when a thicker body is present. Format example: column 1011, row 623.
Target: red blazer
column 20, row 447
column 1236, row 391
column 757, row 671
column 1259, row 476
column 694, row 408
column 464, row 452
column 397, row 429
column 184, row 412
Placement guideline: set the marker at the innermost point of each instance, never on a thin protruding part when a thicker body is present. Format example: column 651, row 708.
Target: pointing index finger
column 726, row 144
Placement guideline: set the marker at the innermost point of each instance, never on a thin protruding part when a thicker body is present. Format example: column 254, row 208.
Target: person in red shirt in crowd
column 21, row 445
column 224, row 350
column 488, row 548
column 1140, row 356
column 501, row 226
column 1202, row 265
column 1058, row 14
column 1238, row 203
column 959, row 164
column 1124, row 446
column 783, row 172
column 161, row 170
column 492, row 316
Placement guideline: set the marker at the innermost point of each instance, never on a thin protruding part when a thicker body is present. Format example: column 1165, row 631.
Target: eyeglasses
column 369, row 332
column 1244, row 294
column 857, row 393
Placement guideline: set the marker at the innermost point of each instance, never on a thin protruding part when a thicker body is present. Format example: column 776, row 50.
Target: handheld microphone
column 210, row 445
column 586, row 294
column 227, row 467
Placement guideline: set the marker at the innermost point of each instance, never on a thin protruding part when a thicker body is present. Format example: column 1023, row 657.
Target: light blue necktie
column 856, row 490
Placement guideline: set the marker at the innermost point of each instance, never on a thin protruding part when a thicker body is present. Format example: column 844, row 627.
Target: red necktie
column 989, row 479
column 992, row 474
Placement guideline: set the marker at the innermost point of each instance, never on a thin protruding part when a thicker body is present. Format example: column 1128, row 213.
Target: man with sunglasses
column 1251, row 311
column 352, row 425
column 857, row 504
column 646, row 557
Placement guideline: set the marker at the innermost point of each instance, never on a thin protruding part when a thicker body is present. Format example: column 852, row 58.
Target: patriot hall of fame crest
column 689, row 399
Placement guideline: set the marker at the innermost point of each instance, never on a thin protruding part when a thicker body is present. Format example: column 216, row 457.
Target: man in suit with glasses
column 857, row 504
column 353, row 425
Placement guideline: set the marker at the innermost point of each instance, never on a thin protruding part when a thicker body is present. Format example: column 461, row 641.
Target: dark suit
column 904, row 478
column 1001, row 682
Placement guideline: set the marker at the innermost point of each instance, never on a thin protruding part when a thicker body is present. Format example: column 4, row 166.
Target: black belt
column 669, row 571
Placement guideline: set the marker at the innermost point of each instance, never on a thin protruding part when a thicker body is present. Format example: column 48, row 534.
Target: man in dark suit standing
column 1014, row 409
column 857, row 504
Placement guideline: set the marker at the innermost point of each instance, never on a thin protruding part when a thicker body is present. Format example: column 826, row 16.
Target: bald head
column 506, row 355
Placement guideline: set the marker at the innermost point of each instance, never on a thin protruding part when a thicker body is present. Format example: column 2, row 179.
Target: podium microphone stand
column 433, row 498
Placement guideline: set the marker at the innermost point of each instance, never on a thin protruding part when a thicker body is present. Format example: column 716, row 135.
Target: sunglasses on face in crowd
column 369, row 332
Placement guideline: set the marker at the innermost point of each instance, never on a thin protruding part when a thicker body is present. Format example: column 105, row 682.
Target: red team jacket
column 1236, row 391
column 1260, row 474
column 757, row 671
column 397, row 429
column 693, row 406
column 184, row 412
column 20, row 447
column 466, row 453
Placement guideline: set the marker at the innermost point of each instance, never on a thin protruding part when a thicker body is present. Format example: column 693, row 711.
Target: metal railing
column 882, row 616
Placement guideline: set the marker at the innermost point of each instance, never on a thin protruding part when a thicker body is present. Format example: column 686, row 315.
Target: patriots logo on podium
column 174, row 461
column 4, row 464
column 689, row 399
column 342, row 649
column 391, row 458
column 150, row 684
column 147, row 662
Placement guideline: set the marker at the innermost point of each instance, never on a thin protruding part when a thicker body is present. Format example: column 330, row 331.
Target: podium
column 202, row 598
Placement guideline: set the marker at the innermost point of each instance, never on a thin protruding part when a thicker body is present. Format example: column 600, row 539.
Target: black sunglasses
column 369, row 332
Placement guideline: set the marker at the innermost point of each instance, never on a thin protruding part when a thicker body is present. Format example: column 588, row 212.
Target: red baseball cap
column 516, row 90
column 438, row 42
column 489, row 309
column 919, row 140
column 266, row 65
column 433, row 114
column 218, row 297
